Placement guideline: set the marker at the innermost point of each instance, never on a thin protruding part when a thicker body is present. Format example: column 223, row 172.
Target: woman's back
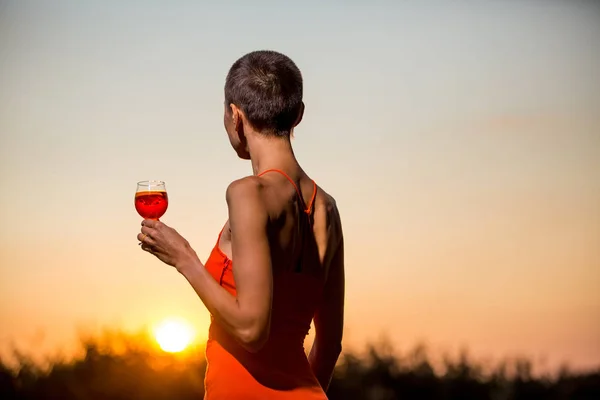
column 304, row 233
column 285, row 239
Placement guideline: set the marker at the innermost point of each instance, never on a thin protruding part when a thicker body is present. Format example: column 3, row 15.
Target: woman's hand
column 166, row 244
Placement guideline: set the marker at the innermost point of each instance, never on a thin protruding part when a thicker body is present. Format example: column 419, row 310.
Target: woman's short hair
column 267, row 87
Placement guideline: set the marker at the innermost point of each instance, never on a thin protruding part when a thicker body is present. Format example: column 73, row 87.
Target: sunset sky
column 461, row 140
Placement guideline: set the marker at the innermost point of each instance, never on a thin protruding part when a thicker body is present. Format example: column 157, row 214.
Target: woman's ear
column 300, row 114
column 236, row 119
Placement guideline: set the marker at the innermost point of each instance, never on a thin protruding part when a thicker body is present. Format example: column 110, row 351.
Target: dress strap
column 307, row 209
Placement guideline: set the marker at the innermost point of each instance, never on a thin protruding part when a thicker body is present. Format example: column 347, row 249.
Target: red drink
column 152, row 204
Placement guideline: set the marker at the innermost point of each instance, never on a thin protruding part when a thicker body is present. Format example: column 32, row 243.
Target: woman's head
column 263, row 92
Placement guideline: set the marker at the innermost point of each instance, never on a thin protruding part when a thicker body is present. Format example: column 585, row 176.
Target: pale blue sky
column 461, row 139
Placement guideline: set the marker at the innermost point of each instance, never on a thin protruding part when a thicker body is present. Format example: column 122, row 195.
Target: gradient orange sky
column 461, row 140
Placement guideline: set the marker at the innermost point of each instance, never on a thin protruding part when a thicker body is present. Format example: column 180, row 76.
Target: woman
column 278, row 263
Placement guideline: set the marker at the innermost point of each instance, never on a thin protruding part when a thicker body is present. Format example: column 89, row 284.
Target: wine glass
column 151, row 199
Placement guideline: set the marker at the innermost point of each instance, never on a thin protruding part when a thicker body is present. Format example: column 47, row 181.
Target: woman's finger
column 141, row 237
column 150, row 223
column 146, row 239
column 149, row 248
column 149, row 231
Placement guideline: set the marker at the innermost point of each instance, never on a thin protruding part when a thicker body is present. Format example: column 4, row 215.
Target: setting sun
column 173, row 335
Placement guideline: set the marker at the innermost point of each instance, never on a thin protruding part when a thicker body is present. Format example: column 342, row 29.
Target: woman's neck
column 272, row 153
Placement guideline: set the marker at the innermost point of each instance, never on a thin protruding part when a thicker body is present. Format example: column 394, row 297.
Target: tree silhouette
column 118, row 366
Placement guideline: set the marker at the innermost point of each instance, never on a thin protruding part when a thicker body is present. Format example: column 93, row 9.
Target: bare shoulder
column 326, row 205
column 247, row 187
column 246, row 193
column 328, row 202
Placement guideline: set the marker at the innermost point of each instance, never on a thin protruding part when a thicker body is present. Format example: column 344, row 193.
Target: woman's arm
column 329, row 322
column 246, row 317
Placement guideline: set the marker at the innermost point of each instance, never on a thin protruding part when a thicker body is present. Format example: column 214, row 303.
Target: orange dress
column 280, row 370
